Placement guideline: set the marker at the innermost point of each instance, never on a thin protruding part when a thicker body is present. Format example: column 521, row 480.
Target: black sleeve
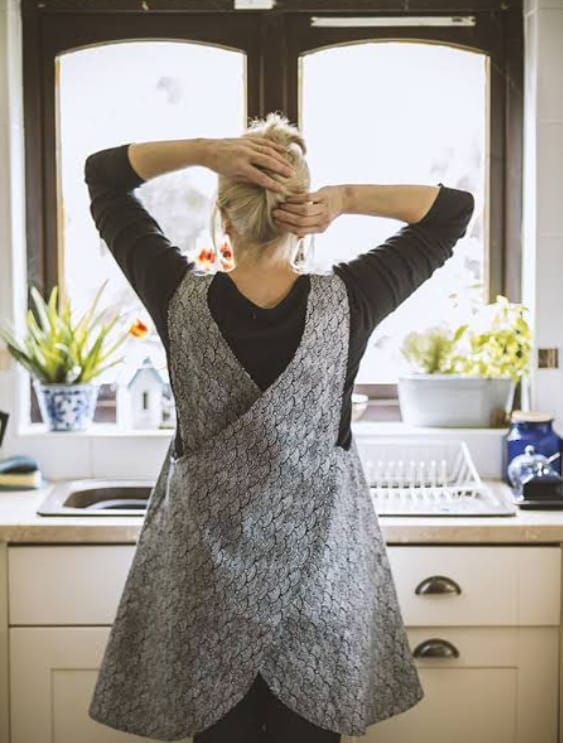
column 151, row 264
column 380, row 279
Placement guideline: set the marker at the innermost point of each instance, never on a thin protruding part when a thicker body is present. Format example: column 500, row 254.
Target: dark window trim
column 275, row 39
column 47, row 35
column 351, row 7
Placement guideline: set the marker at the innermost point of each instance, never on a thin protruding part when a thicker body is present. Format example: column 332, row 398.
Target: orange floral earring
column 226, row 256
column 205, row 259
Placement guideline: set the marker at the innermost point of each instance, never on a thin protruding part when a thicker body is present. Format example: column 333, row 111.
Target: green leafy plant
column 496, row 342
column 432, row 351
column 56, row 350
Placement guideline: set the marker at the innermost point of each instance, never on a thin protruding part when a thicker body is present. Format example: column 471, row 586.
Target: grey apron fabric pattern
column 260, row 550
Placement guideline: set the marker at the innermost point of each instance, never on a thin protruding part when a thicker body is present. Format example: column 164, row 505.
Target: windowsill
column 360, row 428
column 398, row 427
column 96, row 430
column 105, row 450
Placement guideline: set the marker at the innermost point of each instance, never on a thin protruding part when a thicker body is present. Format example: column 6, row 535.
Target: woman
column 260, row 603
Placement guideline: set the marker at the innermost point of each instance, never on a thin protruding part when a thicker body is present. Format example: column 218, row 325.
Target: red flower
column 138, row 329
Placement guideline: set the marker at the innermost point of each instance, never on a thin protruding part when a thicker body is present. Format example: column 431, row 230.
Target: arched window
column 428, row 96
column 419, row 115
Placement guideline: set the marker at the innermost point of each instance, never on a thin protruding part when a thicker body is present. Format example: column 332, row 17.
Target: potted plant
column 64, row 357
column 467, row 376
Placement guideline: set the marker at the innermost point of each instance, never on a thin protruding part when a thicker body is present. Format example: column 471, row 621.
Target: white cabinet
column 502, row 688
column 52, row 590
column 498, row 607
column 483, row 623
column 478, row 586
column 66, row 584
column 52, row 676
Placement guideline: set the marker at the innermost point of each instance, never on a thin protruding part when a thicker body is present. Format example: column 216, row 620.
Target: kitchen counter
column 19, row 523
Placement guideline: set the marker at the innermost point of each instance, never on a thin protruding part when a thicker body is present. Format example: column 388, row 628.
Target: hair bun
column 248, row 205
column 276, row 127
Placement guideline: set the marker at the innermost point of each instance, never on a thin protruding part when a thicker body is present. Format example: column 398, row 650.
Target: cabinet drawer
column 498, row 585
column 63, row 584
column 491, row 685
column 70, row 584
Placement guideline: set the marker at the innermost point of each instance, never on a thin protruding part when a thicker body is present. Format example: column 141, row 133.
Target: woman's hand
column 239, row 157
column 310, row 212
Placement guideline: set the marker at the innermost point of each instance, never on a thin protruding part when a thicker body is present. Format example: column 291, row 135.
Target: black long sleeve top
column 265, row 339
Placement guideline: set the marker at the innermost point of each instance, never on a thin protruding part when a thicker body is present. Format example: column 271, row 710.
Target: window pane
column 398, row 112
column 136, row 91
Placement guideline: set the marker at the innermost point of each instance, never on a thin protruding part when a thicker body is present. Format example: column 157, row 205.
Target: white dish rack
column 413, row 477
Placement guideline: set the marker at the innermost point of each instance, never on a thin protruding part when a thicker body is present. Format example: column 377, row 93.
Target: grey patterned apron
column 260, row 550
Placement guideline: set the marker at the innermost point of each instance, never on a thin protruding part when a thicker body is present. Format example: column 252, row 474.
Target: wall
column 543, row 191
column 12, row 228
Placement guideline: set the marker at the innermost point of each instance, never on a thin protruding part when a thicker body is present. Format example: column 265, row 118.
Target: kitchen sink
column 97, row 497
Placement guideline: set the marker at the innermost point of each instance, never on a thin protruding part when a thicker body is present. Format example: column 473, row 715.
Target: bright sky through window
column 386, row 112
column 398, row 112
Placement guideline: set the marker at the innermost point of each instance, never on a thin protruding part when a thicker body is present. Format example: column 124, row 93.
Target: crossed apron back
column 260, row 551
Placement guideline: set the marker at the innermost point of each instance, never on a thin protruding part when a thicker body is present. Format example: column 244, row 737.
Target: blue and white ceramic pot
column 67, row 407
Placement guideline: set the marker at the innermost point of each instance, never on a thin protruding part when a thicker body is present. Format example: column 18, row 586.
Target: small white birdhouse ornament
column 144, row 391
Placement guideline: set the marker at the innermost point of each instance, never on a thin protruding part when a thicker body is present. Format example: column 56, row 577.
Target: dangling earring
column 226, row 254
column 299, row 255
column 303, row 253
column 205, row 259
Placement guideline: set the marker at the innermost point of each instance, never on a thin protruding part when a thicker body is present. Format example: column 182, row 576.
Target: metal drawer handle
column 438, row 584
column 435, row 647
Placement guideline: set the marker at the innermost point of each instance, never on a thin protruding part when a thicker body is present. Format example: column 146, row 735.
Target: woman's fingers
column 303, row 214
column 302, row 198
column 265, row 142
column 254, row 175
column 265, row 147
column 310, row 210
column 295, row 220
column 273, row 163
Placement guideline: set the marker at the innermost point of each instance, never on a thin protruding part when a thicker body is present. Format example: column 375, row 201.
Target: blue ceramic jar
column 530, row 427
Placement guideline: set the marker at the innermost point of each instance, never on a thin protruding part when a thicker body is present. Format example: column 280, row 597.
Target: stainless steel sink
column 97, row 497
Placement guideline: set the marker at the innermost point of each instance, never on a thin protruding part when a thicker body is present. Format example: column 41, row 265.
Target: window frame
column 273, row 41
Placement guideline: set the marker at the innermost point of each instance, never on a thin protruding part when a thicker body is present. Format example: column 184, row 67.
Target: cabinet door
column 495, row 586
column 502, row 688
column 66, row 584
column 52, row 676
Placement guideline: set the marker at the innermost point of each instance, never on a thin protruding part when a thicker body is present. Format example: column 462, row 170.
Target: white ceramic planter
column 449, row 400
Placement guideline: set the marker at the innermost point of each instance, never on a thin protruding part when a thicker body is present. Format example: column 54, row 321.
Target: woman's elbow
column 469, row 203
column 90, row 168
column 467, row 207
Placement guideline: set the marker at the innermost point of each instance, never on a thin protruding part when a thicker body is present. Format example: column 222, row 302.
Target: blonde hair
column 248, row 205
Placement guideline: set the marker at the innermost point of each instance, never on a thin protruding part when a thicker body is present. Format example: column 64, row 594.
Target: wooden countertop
column 19, row 523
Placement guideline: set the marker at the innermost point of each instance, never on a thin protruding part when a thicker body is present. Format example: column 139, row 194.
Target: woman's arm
column 380, row 279
column 238, row 158
column 313, row 212
column 151, row 159
column 152, row 265
column 407, row 203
